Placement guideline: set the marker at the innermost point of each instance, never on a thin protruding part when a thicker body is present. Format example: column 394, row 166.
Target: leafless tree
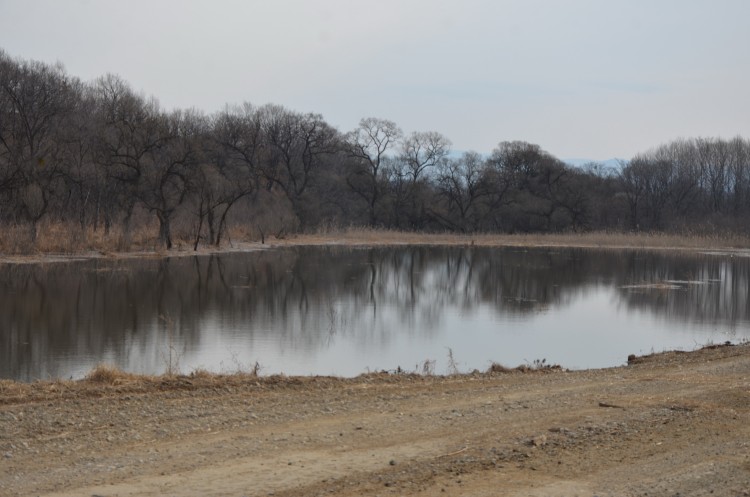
column 368, row 146
column 231, row 168
column 296, row 147
column 421, row 151
column 463, row 182
column 35, row 100
column 88, row 153
column 165, row 181
column 130, row 130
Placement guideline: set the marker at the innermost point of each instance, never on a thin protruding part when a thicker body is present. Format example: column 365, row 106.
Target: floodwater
column 345, row 311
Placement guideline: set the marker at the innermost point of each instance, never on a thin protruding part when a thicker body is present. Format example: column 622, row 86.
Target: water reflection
column 317, row 308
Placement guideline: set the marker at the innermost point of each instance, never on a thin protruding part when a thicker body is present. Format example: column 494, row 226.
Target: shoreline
column 361, row 238
column 667, row 424
column 106, row 379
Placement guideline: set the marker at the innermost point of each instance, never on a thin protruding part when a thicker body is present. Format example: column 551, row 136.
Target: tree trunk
column 33, row 232
column 198, row 234
column 222, row 225
column 211, row 226
column 165, row 235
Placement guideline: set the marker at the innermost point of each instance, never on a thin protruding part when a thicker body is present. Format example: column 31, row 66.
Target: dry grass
column 110, row 375
column 106, row 379
column 496, row 367
column 536, row 366
column 201, row 374
column 69, row 240
column 366, row 236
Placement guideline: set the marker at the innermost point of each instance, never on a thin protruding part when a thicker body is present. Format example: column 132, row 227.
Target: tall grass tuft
column 108, row 375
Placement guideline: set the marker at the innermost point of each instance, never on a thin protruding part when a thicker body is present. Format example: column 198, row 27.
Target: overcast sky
column 582, row 78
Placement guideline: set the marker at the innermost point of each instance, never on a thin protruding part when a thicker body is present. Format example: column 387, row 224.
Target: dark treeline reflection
column 123, row 310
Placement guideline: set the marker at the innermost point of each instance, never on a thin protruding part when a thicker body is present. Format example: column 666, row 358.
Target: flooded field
column 344, row 311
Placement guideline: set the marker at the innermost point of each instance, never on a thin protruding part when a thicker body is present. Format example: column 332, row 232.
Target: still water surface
column 344, row 311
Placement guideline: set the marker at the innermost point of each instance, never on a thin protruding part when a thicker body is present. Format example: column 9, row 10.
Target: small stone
column 8, row 455
column 392, row 462
column 539, row 441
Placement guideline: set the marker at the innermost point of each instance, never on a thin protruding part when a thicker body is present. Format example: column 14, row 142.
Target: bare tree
column 510, row 170
column 297, row 145
column 420, row 152
column 463, row 183
column 130, row 129
column 230, row 170
column 368, row 146
column 34, row 101
column 164, row 181
column 83, row 178
column 740, row 175
column 98, row 152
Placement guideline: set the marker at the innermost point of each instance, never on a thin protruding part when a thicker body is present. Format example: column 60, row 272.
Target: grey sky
column 582, row 78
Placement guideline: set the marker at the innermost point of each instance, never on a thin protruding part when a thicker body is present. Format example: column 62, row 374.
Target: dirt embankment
column 671, row 424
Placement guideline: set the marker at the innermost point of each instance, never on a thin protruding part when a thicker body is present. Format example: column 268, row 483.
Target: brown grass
column 496, row 367
column 106, row 380
column 536, row 366
column 109, row 375
column 67, row 239
column 367, row 236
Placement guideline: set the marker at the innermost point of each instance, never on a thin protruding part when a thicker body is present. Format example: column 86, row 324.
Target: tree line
column 97, row 156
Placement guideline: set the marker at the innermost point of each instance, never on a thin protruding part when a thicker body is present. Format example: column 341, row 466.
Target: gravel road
column 666, row 425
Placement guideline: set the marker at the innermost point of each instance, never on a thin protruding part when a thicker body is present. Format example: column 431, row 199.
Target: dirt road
column 671, row 424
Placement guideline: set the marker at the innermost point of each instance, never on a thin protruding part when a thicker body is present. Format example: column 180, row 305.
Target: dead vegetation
column 109, row 375
column 672, row 355
column 55, row 238
column 598, row 239
column 71, row 239
column 538, row 365
column 105, row 379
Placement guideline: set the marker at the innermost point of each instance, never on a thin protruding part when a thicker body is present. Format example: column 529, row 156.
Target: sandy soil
column 669, row 424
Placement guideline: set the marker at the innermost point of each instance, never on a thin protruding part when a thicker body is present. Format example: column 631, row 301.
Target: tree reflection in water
column 59, row 319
